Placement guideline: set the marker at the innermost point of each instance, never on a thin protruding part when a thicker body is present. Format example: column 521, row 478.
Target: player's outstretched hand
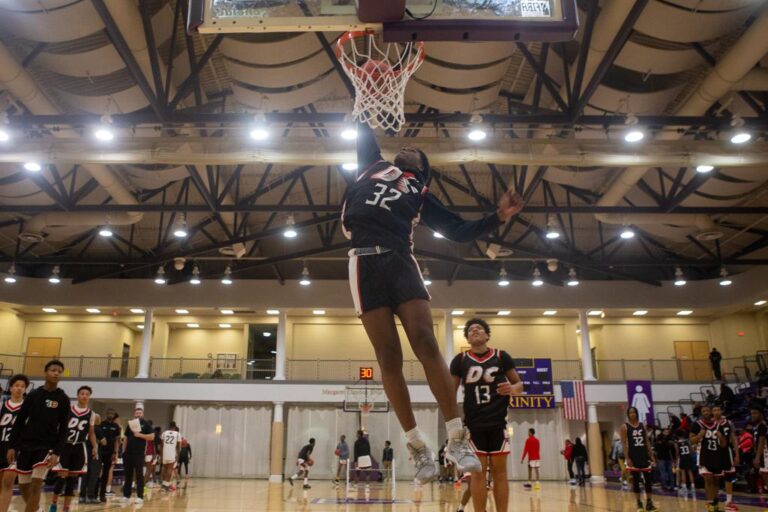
column 510, row 204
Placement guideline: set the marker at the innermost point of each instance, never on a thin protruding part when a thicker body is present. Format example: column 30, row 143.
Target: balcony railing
column 741, row 369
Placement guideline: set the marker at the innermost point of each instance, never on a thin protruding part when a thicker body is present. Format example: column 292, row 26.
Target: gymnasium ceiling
column 182, row 106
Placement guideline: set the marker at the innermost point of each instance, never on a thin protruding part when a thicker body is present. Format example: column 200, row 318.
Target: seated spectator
column 674, row 423
column 685, row 423
column 726, row 395
column 710, row 398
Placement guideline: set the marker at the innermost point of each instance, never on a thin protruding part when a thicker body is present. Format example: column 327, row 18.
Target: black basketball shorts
column 73, row 459
column 489, row 442
column 385, row 280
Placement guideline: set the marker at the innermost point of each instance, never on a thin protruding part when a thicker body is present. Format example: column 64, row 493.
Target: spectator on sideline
column 342, row 452
column 664, row 456
column 387, row 457
column 715, row 357
column 567, row 454
column 581, row 458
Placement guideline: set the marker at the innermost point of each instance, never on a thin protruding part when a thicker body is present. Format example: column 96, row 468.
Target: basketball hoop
column 380, row 75
column 366, row 408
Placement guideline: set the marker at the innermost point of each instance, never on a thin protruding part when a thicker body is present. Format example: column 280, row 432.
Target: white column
column 449, row 347
column 276, row 446
column 146, row 346
column 280, row 348
column 586, row 348
column 595, row 444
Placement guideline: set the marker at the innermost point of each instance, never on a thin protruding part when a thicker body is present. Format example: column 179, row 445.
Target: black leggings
column 67, row 485
column 647, row 477
column 185, row 464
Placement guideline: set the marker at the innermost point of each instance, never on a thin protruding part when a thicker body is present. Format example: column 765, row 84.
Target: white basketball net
column 380, row 76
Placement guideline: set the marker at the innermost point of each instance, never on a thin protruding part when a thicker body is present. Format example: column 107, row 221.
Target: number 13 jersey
column 480, row 374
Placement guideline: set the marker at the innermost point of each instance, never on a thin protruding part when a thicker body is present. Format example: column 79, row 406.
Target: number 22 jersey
column 480, row 374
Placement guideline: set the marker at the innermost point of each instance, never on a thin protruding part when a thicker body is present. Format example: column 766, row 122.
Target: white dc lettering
column 6, row 420
column 475, row 373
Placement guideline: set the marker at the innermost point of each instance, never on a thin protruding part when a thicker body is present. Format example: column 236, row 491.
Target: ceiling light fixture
column 640, row 312
column 104, row 131
column 290, row 230
column 225, row 326
column 457, row 312
column 195, row 279
column 627, row 233
column 504, row 312
column 227, row 279
column 49, row 310
column 425, row 275
column 703, row 169
column 55, row 279
column 633, row 134
column 305, row 280
column 137, row 311
column 260, row 130
column 724, row 279
column 227, row 311
column 739, row 135
column 318, row 312
column 33, row 166
column 437, row 234
column 685, row 312
column 503, row 279
column 182, row 311
column 193, row 326
column 11, row 277
column 537, row 280
column 160, row 276
column 349, row 166
column 761, row 303
column 93, row 311
column 180, row 227
column 476, row 130
column 266, row 334
column 106, row 231
column 679, row 277
column 596, row 312
column 273, row 311
column 550, row 312
column 140, row 326
column 349, row 130
column 5, row 132
column 573, row 280
column 552, row 232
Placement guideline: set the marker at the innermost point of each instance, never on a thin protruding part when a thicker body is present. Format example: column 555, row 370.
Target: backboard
column 425, row 20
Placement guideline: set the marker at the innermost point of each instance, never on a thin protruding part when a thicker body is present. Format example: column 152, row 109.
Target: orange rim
column 349, row 36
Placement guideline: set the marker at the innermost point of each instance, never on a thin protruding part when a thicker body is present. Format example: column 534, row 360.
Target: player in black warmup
column 760, row 429
column 639, row 458
column 729, row 455
column 303, row 463
column 685, row 464
column 17, row 385
column 80, row 437
column 489, row 377
column 382, row 206
column 706, row 433
column 39, row 434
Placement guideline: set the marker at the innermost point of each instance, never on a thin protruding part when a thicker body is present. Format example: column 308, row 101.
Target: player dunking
column 706, row 433
column 639, row 457
column 80, row 432
column 17, row 386
column 489, row 377
column 381, row 208
column 729, row 455
column 39, row 434
column 303, row 462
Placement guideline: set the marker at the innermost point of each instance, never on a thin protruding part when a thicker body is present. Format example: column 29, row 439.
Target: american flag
column 574, row 401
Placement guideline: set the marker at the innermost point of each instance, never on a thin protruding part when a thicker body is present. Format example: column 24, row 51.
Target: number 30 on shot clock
column 366, row 373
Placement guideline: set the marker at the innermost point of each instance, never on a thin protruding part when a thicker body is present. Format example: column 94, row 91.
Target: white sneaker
column 462, row 455
column 125, row 500
column 424, row 460
column 139, row 501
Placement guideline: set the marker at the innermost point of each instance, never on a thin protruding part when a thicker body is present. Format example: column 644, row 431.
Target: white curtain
column 327, row 424
column 227, row 442
column 551, row 432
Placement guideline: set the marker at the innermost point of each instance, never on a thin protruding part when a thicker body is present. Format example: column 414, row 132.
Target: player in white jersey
column 171, row 440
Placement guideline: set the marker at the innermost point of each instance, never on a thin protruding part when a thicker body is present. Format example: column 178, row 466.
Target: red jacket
column 531, row 449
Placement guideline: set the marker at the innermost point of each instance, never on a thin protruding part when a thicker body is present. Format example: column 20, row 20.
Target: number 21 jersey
column 480, row 374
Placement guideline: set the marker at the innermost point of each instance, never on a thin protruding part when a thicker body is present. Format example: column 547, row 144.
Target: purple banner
column 640, row 396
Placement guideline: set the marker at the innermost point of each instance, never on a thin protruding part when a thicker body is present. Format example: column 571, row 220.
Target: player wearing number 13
column 382, row 206
column 489, row 377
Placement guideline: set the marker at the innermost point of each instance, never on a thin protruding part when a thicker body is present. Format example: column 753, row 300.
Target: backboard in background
column 428, row 20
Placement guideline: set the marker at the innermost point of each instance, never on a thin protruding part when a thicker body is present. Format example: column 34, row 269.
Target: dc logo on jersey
column 475, row 373
column 75, row 423
column 51, row 404
column 7, row 419
column 402, row 181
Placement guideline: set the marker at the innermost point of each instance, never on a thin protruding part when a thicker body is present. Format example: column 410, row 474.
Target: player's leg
column 636, row 477
column 648, row 476
column 306, row 477
column 58, row 490
column 6, row 489
column 465, row 498
column 500, row 481
column 729, row 491
column 69, row 491
column 35, row 489
column 530, row 473
column 538, row 478
column 298, row 473
column 416, row 317
column 164, row 477
column 478, row 488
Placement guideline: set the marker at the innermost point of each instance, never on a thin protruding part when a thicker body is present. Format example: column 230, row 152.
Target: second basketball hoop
column 380, row 74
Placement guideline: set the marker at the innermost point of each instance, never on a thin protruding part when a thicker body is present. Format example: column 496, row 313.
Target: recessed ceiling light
column 318, row 311
column 137, row 311
column 596, row 312
column 741, row 137
column 140, row 326
column 437, row 234
column 182, row 311
column 266, row 334
column 684, row 312
column 504, row 312
column 227, row 311
column 93, row 310
column 634, row 136
column 760, row 303
column 640, row 312
column 349, row 133
column 705, row 168
column 457, row 312
column 193, row 326
column 225, row 326
column 550, row 312
column 273, row 311
column 33, row 166
column 349, row 166
column 50, row 310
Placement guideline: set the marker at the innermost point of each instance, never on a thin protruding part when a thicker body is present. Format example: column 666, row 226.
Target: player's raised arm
column 368, row 151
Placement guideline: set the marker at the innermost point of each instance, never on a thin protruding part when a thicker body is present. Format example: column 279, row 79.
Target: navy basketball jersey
column 8, row 414
column 484, row 407
column 637, row 450
column 78, row 425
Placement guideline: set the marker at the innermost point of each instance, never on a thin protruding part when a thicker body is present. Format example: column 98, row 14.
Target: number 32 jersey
column 480, row 374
